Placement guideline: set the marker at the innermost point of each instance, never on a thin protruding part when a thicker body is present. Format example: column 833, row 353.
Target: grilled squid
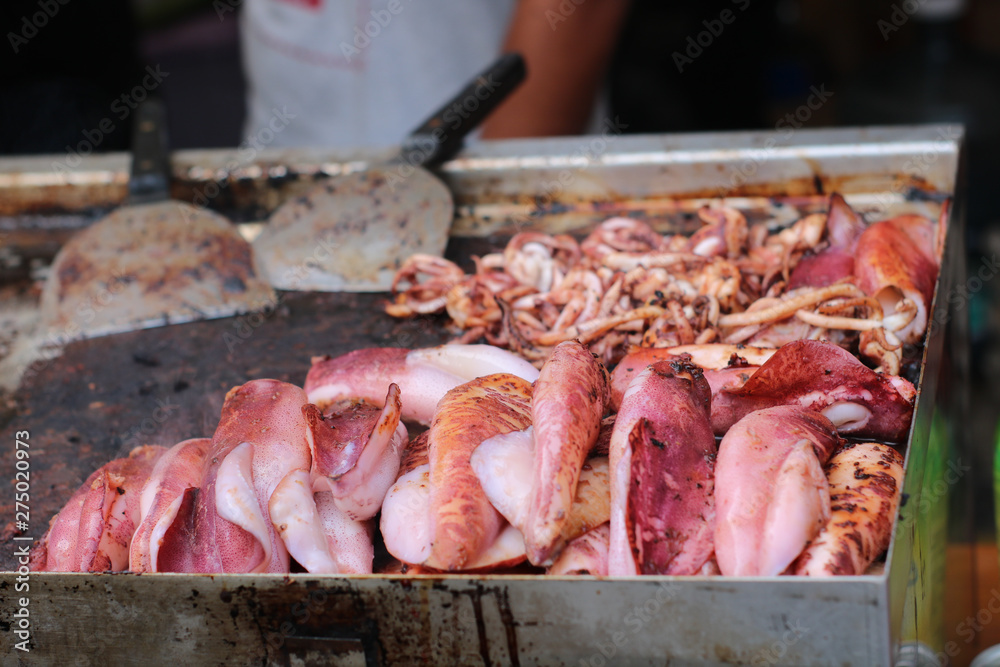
column 897, row 265
column 463, row 522
column 771, row 495
column 406, row 519
column 423, row 376
column 178, row 470
column 93, row 531
column 568, row 402
column 836, row 261
column 662, row 456
column 826, row 378
column 865, row 480
column 724, row 366
column 504, row 465
column 587, row 554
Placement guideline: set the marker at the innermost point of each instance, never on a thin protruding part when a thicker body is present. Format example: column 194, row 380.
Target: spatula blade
column 352, row 232
column 147, row 266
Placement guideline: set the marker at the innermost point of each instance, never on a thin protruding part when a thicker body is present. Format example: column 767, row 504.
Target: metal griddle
column 159, row 386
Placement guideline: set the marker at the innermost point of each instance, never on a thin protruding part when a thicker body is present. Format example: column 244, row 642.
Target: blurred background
column 877, row 61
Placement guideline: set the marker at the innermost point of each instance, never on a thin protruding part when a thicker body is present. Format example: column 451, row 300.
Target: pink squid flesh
column 896, row 261
column 826, row 378
column 772, row 496
column 356, row 452
column 406, row 525
column 504, row 463
column 835, row 262
column 179, row 469
column 662, row 481
column 587, row 554
column 567, row 404
column 424, row 376
column 724, row 366
column 93, row 531
column 227, row 524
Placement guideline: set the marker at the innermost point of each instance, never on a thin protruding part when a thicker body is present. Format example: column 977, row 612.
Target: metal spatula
column 352, row 232
column 153, row 261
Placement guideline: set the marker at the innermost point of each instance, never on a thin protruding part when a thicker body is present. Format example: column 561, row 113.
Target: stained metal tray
column 79, row 408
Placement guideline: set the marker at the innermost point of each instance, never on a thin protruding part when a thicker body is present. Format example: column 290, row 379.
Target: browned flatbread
column 151, row 265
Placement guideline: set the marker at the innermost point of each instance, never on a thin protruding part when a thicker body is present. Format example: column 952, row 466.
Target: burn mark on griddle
column 145, row 359
column 234, row 284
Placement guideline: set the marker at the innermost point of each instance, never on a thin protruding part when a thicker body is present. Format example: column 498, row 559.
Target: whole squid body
column 463, row 522
column 662, row 456
column 93, row 531
column 724, row 366
column 567, row 404
column 772, row 496
column 356, row 451
column 226, row 524
column 866, row 480
column 178, row 470
column 828, row 379
column 423, row 376
column 897, row 264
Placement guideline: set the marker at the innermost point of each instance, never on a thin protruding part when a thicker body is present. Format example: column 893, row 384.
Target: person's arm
column 567, row 46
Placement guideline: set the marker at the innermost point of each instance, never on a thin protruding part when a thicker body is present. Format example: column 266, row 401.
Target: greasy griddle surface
column 104, row 396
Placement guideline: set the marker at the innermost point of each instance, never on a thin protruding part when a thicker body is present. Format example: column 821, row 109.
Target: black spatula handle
column 150, row 178
column 439, row 137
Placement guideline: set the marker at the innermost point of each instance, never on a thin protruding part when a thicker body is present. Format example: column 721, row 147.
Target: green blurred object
column 155, row 14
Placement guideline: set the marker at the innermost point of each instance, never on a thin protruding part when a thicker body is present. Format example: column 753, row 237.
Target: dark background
column 882, row 65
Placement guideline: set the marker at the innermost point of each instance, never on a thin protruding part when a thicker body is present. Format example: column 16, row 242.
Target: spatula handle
column 439, row 137
column 150, row 177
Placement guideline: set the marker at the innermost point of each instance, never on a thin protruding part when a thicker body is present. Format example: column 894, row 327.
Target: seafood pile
column 570, row 468
column 827, row 276
column 661, row 410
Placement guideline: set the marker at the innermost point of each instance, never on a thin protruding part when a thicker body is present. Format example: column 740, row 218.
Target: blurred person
column 336, row 73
